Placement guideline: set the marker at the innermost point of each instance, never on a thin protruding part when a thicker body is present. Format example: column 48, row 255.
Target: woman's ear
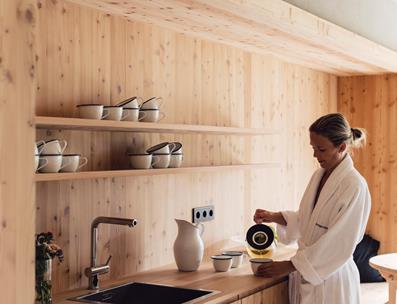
column 342, row 147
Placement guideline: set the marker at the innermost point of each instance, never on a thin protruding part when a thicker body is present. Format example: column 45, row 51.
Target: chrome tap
column 94, row 271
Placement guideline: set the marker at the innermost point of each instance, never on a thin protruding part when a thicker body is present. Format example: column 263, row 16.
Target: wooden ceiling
column 262, row 26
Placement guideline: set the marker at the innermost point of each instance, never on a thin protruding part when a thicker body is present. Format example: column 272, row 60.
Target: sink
column 144, row 293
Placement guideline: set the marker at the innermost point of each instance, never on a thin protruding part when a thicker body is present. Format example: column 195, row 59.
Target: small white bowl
column 255, row 263
column 221, row 263
column 237, row 257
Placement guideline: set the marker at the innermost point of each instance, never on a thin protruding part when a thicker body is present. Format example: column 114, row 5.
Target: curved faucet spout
column 94, row 271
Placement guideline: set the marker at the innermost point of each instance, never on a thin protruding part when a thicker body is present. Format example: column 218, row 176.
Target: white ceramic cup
column 73, row 162
column 132, row 102
column 175, row 161
column 91, row 111
column 177, row 148
column 141, row 161
column 113, row 113
column 237, row 257
column 255, row 263
column 132, row 114
column 161, row 160
column 54, row 146
column 54, row 163
column 37, row 161
column 221, row 262
column 150, row 115
column 161, row 148
column 152, row 103
column 36, row 149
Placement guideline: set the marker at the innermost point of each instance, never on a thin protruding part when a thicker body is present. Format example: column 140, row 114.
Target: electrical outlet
column 203, row 214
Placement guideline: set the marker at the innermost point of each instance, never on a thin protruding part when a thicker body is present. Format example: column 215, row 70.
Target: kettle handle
column 201, row 228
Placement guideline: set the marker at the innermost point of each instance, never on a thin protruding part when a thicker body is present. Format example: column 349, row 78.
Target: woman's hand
column 275, row 269
column 264, row 216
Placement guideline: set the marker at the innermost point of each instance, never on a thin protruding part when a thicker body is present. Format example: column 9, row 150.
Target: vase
column 188, row 246
column 43, row 281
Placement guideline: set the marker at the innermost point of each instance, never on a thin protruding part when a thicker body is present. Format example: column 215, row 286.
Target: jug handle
column 201, row 228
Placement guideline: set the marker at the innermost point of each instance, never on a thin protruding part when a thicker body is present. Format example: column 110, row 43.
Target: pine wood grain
column 18, row 68
column 203, row 83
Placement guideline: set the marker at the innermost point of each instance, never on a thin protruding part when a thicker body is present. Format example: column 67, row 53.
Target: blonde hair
column 336, row 128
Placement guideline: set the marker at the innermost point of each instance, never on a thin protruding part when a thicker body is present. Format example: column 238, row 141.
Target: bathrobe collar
column 332, row 183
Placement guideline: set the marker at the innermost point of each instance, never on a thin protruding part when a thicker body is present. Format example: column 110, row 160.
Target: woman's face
column 326, row 153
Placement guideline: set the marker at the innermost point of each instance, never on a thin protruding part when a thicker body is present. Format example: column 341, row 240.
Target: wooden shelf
column 43, row 122
column 270, row 26
column 47, row 177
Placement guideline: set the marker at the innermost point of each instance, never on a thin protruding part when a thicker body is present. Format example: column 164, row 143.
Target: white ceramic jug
column 188, row 246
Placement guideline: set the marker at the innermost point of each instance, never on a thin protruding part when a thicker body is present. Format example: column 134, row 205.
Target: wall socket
column 203, row 214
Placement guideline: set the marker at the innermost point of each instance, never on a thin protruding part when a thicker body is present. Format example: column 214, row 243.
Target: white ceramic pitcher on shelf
column 188, row 246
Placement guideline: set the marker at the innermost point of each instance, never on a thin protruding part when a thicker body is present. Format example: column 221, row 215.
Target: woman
column 330, row 222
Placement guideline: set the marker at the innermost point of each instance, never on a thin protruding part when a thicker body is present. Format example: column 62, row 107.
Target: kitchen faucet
column 94, row 271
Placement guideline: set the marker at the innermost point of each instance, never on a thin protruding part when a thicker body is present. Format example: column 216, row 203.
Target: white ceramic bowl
column 221, row 262
column 255, row 263
column 237, row 257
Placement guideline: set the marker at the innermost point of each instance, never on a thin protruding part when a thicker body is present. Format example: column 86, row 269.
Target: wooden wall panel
column 371, row 102
column 104, row 59
column 18, row 24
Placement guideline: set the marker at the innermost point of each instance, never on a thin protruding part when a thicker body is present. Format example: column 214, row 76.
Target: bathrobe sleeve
column 289, row 233
column 336, row 246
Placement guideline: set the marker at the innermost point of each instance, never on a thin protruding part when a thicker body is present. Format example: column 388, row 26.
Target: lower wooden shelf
column 48, row 177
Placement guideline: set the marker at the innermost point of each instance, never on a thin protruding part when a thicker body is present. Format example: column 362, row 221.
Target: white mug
column 161, row 160
column 133, row 102
column 113, row 113
column 141, row 161
column 132, row 114
column 37, row 161
column 54, row 163
column 71, row 162
column 38, row 143
column 161, row 148
column 152, row 103
column 91, row 111
column 54, row 146
column 151, row 115
column 176, row 160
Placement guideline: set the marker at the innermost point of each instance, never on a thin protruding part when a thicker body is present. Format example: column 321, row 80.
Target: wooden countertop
column 235, row 284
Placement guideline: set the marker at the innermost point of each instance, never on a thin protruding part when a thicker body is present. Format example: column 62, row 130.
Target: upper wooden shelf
column 262, row 26
column 44, row 122
column 47, row 177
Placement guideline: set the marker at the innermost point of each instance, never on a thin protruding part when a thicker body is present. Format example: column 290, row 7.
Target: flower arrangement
column 46, row 250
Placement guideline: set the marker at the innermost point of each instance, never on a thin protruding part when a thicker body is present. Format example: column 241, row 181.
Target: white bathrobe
column 327, row 236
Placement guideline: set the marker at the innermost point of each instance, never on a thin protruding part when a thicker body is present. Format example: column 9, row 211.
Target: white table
column 387, row 266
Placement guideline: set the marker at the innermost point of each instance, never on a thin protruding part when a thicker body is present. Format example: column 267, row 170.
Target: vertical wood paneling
column 371, row 102
column 105, row 59
column 18, row 25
